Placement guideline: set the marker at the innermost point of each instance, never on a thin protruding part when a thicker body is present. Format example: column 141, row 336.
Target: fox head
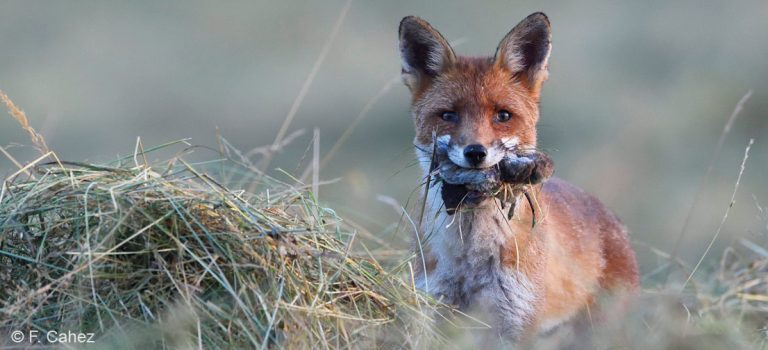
column 482, row 107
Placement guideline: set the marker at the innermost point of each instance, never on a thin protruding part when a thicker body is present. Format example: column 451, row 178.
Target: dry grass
column 164, row 255
column 111, row 248
column 21, row 118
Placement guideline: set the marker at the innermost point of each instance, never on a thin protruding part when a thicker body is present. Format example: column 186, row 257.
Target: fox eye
column 450, row 116
column 503, row 115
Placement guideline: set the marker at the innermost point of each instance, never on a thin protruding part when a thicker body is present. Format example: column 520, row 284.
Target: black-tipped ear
column 525, row 50
column 423, row 51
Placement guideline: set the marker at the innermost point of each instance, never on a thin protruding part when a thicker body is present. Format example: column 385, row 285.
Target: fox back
column 529, row 278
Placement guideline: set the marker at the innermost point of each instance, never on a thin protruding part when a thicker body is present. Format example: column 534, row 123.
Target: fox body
column 475, row 254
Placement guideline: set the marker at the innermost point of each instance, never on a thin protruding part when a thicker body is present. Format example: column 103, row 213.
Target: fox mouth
column 455, row 196
column 469, row 186
column 459, row 155
column 480, row 167
column 463, row 185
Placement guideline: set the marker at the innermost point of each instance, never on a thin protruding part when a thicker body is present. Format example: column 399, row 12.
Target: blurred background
column 638, row 95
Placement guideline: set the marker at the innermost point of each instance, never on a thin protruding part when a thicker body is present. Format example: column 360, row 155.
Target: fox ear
column 423, row 51
column 525, row 49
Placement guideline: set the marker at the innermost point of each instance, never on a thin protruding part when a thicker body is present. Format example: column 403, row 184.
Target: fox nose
column 475, row 154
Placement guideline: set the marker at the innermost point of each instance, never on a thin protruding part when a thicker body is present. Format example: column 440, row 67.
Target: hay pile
column 163, row 255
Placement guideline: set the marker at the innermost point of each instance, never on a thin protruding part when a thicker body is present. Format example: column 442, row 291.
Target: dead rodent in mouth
column 471, row 186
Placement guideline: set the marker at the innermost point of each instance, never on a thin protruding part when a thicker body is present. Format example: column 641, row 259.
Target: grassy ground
column 172, row 254
column 165, row 255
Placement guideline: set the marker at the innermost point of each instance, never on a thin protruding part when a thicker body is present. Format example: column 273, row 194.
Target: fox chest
column 462, row 279
column 469, row 272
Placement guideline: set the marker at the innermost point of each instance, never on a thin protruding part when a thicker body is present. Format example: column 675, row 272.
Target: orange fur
column 579, row 248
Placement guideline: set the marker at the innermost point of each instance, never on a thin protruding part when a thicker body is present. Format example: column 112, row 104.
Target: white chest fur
column 469, row 272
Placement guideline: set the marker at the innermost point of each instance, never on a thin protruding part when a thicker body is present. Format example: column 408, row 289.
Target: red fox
column 531, row 251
